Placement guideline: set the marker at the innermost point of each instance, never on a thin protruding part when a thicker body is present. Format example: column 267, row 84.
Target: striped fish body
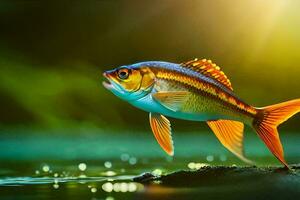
column 205, row 98
column 202, row 106
column 197, row 90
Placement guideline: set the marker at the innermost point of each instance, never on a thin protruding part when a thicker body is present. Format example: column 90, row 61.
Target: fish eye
column 123, row 73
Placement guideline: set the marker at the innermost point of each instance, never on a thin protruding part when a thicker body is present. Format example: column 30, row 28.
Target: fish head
column 129, row 83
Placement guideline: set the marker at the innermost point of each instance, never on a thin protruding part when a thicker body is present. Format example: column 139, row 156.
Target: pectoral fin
column 230, row 134
column 171, row 100
column 161, row 129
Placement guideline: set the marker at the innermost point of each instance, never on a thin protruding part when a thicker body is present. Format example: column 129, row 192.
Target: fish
column 197, row 90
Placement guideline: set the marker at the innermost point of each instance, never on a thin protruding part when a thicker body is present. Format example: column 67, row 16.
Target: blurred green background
column 52, row 55
column 55, row 113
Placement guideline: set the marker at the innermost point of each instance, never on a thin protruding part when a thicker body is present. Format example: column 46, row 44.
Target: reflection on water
column 86, row 167
column 83, row 179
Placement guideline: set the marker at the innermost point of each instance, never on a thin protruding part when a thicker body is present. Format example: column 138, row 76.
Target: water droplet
column 132, row 187
column 201, row 165
column 132, row 160
column 117, row 187
column 124, row 157
column 191, row 165
column 123, row 187
column 37, row 172
column 46, row 168
column 107, row 164
column 109, row 198
column 82, row 167
column 55, row 186
column 55, row 174
column 196, row 166
column 110, row 173
column 93, row 189
column 210, row 158
column 108, row 187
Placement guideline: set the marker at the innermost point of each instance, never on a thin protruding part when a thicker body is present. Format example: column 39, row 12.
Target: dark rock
column 145, row 177
column 220, row 175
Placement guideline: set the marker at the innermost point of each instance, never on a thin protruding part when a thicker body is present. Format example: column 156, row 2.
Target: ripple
column 19, row 181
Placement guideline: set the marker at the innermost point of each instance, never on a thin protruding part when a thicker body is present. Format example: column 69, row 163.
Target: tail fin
column 267, row 120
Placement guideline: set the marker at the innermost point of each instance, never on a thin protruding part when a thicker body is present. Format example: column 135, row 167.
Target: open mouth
column 107, row 83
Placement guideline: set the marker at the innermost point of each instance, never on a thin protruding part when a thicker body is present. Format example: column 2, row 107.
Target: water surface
column 102, row 165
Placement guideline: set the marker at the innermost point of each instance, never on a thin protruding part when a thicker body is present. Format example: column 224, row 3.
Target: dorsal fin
column 209, row 69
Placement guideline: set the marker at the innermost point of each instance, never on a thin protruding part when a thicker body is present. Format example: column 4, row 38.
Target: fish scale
column 196, row 103
column 205, row 88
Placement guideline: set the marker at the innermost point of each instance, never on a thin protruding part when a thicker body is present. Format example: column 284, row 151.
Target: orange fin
column 230, row 134
column 268, row 119
column 161, row 129
column 171, row 100
column 209, row 69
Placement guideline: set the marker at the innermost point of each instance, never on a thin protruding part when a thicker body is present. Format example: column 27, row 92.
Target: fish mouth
column 110, row 85
column 107, row 83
